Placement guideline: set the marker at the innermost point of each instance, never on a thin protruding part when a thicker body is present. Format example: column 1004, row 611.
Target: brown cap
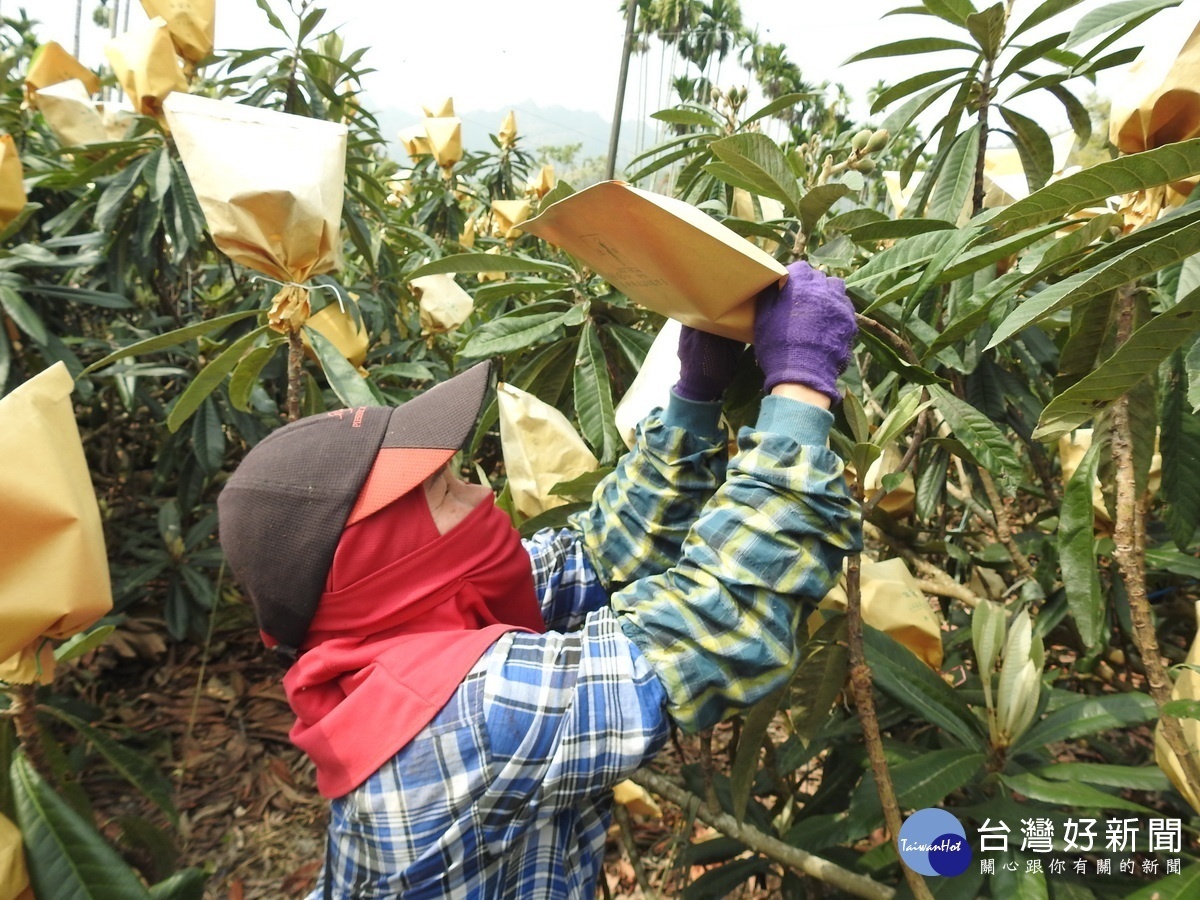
column 283, row 511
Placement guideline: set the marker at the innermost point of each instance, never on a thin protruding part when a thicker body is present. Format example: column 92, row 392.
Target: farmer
column 470, row 698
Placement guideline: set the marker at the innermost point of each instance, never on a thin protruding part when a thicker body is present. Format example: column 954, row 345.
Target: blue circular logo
column 933, row 842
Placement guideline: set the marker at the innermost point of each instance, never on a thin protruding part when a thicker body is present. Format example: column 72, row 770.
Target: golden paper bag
column 467, row 238
column 508, row 130
column 900, row 500
column 51, row 64
column 1072, row 447
column 892, row 602
column 492, row 276
column 543, row 183
column 443, row 109
column 416, row 143
column 76, row 119
column 14, row 877
column 541, row 449
column 53, row 572
column 445, row 140
column 12, row 181
column 507, row 215
column 1158, row 102
column 1187, row 687
column 443, row 304
column 270, row 185
column 191, row 24
column 664, row 254
column 743, row 208
column 652, row 385
column 146, row 66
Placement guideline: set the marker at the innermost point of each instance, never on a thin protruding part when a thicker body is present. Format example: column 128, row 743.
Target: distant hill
column 538, row 126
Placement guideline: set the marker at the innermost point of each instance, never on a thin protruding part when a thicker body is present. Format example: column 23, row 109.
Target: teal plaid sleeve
column 719, row 627
column 642, row 512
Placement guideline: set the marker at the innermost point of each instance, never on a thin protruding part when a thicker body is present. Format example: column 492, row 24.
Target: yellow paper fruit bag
column 54, row 578
column 51, row 64
column 442, row 109
column 12, row 181
column 445, row 139
column 146, row 66
column 892, row 602
column 541, row 449
column 191, row 24
column 651, row 387
column 271, row 187
column 543, row 184
column 507, row 215
column 76, row 119
column 1187, row 687
column 14, row 876
column 508, row 130
column 415, row 141
column 443, row 304
column 339, row 328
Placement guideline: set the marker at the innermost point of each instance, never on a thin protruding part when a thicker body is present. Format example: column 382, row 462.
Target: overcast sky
column 487, row 54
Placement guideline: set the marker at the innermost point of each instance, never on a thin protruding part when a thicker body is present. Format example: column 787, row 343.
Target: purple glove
column 706, row 364
column 803, row 331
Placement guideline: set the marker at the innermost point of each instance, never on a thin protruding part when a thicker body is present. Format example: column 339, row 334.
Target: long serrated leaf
column 209, row 377
column 916, row 83
column 981, row 435
column 1077, row 113
column 1077, row 552
column 1089, row 716
column 987, row 636
column 980, row 256
column 909, row 47
column 1065, row 793
column 487, row 262
column 787, row 101
column 1130, row 778
column 245, row 374
column 1094, row 185
column 172, row 338
column 955, row 11
column 185, row 885
column 1033, row 146
column 759, row 159
column 987, row 28
column 512, row 332
column 1108, row 18
column 957, row 178
column 819, row 679
column 67, row 858
column 745, row 763
column 685, row 116
column 22, row 314
column 893, row 229
column 1135, row 360
column 918, row 784
column 1047, row 10
column 593, row 395
column 899, row 674
column 347, row 382
column 903, row 255
column 1135, row 263
column 817, row 202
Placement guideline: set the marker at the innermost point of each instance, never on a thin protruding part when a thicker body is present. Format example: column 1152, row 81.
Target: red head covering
column 405, row 615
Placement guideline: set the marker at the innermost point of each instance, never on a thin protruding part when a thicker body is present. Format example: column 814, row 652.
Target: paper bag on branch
column 1072, row 447
column 541, row 449
column 442, row 109
column 507, row 215
column 508, row 130
column 892, row 602
column 76, row 119
column 191, row 24
column 271, row 186
column 445, row 140
column 743, row 208
column 12, row 181
column 543, row 184
column 146, row 66
column 899, row 501
column 54, row 578
column 14, row 876
column 664, row 254
column 338, row 326
column 415, row 141
column 443, row 304
column 492, row 276
column 651, row 387
column 51, row 64
column 1187, row 687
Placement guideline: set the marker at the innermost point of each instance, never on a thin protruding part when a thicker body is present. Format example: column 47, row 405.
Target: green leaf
column 172, row 338
column 1069, row 794
column 916, row 83
column 1134, row 361
column 1169, row 559
column 1077, row 113
column 856, row 418
column 1191, row 363
column 1134, row 263
column 759, row 160
column 209, row 377
column 513, row 332
column 910, row 47
column 1077, row 553
column 903, row 414
column 903, row 116
column 349, row 385
column 1183, row 886
column 684, row 116
column 819, row 678
column 593, row 396
column 1048, row 10
column 245, row 374
column 892, row 229
column 957, row 179
column 987, row 637
column 1034, row 147
column 919, row 784
column 987, row 28
column 980, row 256
column 136, row 768
column 1180, row 440
column 1033, row 53
column 82, row 643
column 986, row 442
column 1089, row 716
column 745, row 764
column 1108, row 18
column 1132, row 778
column 67, row 858
column 817, row 202
column 1182, row 709
column 208, row 437
column 185, row 885
column 22, row 314
column 904, row 255
column 911, row 683
column 956, row 11
column 787, row 101
column 1094, row 185
column 488, row 262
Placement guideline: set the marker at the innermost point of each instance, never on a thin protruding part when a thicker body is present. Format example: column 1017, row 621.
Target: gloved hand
column 804, row 330
column 706, row 364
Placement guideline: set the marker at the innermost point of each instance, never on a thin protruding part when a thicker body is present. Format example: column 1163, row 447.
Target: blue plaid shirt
column 672, row 596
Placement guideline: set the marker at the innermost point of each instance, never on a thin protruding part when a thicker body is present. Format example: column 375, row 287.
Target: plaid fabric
column 506, row 792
